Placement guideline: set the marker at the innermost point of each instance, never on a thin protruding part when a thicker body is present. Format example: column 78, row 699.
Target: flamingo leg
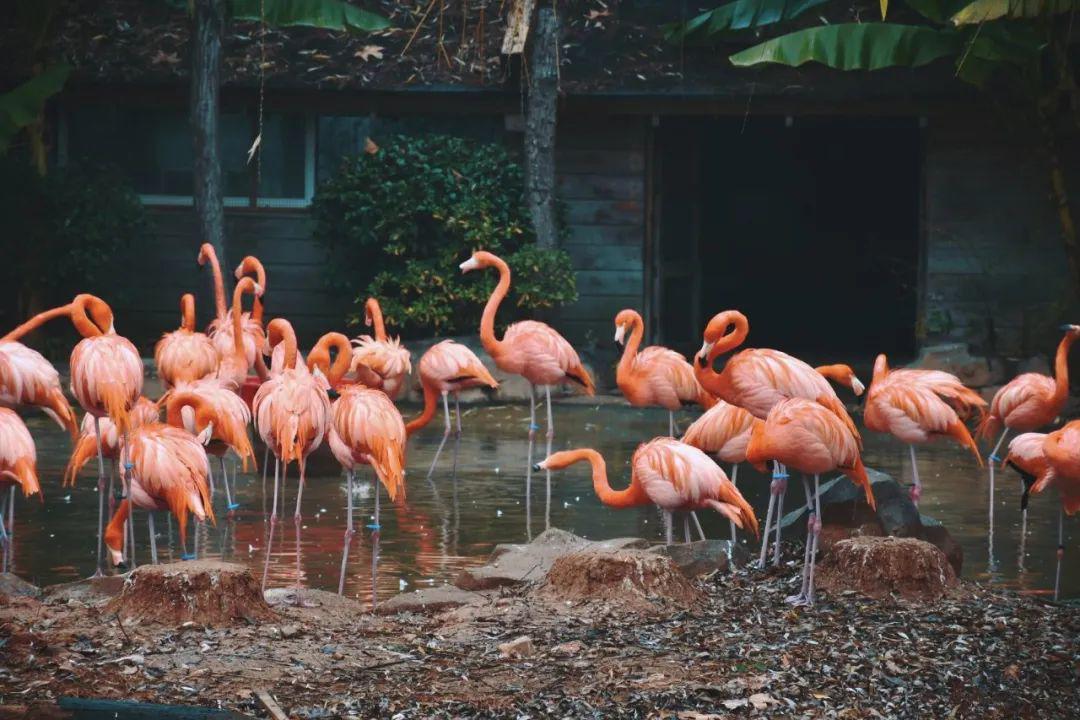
column 126, row 482
column 994, row 459
column 5, row 541
column 667, row 527
column 230, row 506
column 457, row 412
column 9, row 559
column 671, row 423
column 273, row 523
column 780, row 513
column 100, row 571
column 445, row 435
column 296, row 523
column 800, row 598
column 916, row 489
column 697, row 524
column 1060, row 550
column 768, row 520
column 817, row 538
column 153, row 537
column 533, row 427
column 734, row 483
column 686, row 527
column 266, row 468
column 349, row 532
column 547, row 473
column 457, row 438
column 375, row 551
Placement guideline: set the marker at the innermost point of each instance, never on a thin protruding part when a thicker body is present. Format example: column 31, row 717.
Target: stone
column 844, row 503
column 92, row 591
column 938, row 535
column 429, row 600
column 883, row 566
column 635, row 580
column 955, row 358
column 290, row 631
column 205, row 592
column 519, row 647
column 516, row 564
column 1034, row 364
column 703, row 556
column 14, row 586
column 832, row 534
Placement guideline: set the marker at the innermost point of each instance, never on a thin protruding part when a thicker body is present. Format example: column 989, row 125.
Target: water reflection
column 475, row 498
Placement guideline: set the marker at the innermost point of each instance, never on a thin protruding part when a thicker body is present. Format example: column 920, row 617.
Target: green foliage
column 981, row 11
column 738, row 15
column 325, row 14
column 21, row 106
column 68, row 229
column 397, row 224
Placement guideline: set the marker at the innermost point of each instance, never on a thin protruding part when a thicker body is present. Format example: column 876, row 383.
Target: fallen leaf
column 736, row 703
column 760, row 701
column 164, row 58
column 368, row 52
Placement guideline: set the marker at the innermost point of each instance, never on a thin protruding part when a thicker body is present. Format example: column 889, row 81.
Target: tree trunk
column 209, row 18
column 1060, row 192
column 540, row 121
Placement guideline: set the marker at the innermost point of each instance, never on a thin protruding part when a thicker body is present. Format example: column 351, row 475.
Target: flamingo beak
column 470, row 264
column 117, row 558
column 857, row 387
column 620, row 332
column 539, row 466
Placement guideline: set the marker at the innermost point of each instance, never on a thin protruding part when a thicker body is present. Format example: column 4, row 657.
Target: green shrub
column 398, row 223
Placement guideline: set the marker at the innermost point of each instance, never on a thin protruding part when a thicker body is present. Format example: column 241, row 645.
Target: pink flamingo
column 842, row 375
column 1026, row 403
column 221, row 328
column 292, row 415
column 251, row 265
column 366, row 429
column 756, row 380
column 809, row 437
column 380, row 362
column 534, row 351
column 27, row 378
column 169, row 472
column 669, row 474
column 106, row 379
column 233, row 370
column 447, row 367
column 18, row 469
column 724, row 431
column 656, row 375
column 185, row 355
column 907, row 407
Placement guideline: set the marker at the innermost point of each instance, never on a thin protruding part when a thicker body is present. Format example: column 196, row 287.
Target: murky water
column 454, row 519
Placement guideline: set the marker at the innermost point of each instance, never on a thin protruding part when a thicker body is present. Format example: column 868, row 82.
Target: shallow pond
column 454, row 519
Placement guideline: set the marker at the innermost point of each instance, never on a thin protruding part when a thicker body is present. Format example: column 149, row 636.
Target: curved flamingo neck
column 487, row 320
column 637, row 331
column 628, row 497
column 114, row 531
column 187, row 312
column 91, row 316
column 174, row 410
column 37, row 321
column 881, row 369
column 374, row 317
column 1061, row 368
column 280, row 332
column 733, row 338
column 431, row 401
column 319, row 357
column 245, row 285
column 249, row 265
column 208, row 254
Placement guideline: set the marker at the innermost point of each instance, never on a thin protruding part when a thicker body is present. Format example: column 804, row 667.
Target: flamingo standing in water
column 220, row 328
column 1026, row 403
column 366, row 429
column 656, row 375
column 534, row 351
column 806, row 435
column 18, row 469
column 169, row 472
column 723, row 431
column 669, row 474
column 757, row 380
column 907, row 407
column 27, row 378
column 106, row 379
column 292, row 415
column 185, row 355
column 447, row 367
column 380, row 362
column 251, row 265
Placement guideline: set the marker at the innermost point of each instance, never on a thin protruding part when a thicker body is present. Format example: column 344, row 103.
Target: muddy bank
column 729, row 647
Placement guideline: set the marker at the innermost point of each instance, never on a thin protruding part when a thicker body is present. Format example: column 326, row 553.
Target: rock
column 704, row 556
column 895, row 510
column 938, row 535
column 1034, row 364
column 512, row 564
column 14, row 586
column 517, row 648
column 428, row 600
column 956, row 359
column 206, row 592
column 631, row 579
column 843, row 503
column 832, row 534
column 572, row 648
column 93, row 591
column 289, row 631
column 881, row 566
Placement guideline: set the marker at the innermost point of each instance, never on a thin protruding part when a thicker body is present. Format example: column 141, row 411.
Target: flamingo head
column 1071, row 330
column 480, row 259
column 624, row 321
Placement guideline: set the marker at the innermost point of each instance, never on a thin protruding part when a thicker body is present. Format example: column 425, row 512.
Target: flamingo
column 447, row 367
column 221, row 328
column 106, row 379
column 724, row 431
column 806, row 435
column 184, row 355
column 757, row 380
column 251, row 265
column 366, row 429
column 169, row 472
column 908, row 408
column 292, row 415
column 233, row 370
column 533, row 350
column 1026, row 403
column 18, row 469
column 380, row 362
column 656, row 375
column 669, row 474
column 842, row 375
column 27, row 378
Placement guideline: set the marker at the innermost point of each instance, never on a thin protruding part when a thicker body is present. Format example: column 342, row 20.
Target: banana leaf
column 738, row 15
column 855, row 46
column 980, row 11
column 21, row 106
column 326, row 14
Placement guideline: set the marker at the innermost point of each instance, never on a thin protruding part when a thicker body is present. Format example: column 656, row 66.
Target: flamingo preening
column 808, row 436
column 656, row 375
column 756, row 380
column 666, row 473
column 18, row 469
column 380, row 362
column 27, row 378
column 251, row 265
column 185, row 355
column 221, row 328
column 533, row 350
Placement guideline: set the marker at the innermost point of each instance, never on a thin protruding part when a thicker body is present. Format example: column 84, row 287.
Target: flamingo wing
column 18, row 455
column 723, row 430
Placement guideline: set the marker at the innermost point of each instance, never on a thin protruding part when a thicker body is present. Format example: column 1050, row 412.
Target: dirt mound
column 202, row 591
column 880, row 566
column 632, row 579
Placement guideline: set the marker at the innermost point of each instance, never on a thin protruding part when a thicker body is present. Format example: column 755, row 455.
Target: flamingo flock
column 761, row 406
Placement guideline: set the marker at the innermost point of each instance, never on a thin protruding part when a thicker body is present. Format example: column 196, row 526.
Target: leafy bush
column 397, row 224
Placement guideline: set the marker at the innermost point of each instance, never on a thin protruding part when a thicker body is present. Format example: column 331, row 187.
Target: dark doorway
column 810, row 227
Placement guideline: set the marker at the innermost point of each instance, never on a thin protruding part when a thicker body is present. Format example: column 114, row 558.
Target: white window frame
column 230, row 201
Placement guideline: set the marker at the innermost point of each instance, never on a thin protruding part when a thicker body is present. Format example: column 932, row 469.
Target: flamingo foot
column 187, row 556
column 799, row 600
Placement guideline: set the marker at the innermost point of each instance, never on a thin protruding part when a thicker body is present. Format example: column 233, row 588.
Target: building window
column 154, row 148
